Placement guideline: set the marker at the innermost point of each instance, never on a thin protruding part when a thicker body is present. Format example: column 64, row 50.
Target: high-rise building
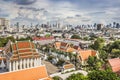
column 4, row 24
column 99, row 26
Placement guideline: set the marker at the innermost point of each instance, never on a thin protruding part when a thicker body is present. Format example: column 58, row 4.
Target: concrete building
column 99, row 26
column 4, row 24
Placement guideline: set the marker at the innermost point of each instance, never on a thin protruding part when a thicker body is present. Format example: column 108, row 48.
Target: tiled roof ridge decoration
column 7, row 46
column 37, row 73
column 64, row 46
column 17, row 50
column 27, row 48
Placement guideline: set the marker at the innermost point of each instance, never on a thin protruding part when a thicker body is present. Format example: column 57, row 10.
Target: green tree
column 60, row 62
column 93, row 37
column 47, row 35
column 102, row 75
column 10, row 38
column 103, row 55
column 75, row 36
column 98, row 44
column 57, row 78
column 114, row 45
column 113, row 48
column 50, row 58
column 93, row 63
column 86, row 38
column 115, row 52
column 3, row 41
column 77, row 76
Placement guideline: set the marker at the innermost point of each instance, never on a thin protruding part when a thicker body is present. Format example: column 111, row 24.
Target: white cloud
column 46, row 10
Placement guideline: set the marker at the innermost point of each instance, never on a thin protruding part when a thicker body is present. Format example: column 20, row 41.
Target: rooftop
column 84, row 54
column 68, row 66
column 43, row 38
column 38, row 73
column 23, row 49
column 115, row 64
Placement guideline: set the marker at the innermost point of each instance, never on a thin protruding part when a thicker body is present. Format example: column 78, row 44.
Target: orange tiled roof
column 68, row 66
column 65, row 47
column 115, row 64
column 23, row 49
column 63, row 44
column 84, row 54
column 57, row 45
column 27, row 74
column 22, row 45
column 69, row 49
column 76, row 47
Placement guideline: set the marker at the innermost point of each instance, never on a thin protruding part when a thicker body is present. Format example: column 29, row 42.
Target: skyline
column 65, row 11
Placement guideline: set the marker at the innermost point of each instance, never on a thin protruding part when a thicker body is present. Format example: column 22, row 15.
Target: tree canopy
column 94, row 63
column 98, row 44
column 57, row 78
column 47, row 35
column 103, row 55
column 77, row 76
column 102, row 75
column 3, row 41
column 114, row 48
column 95, row 75
column 75, row 36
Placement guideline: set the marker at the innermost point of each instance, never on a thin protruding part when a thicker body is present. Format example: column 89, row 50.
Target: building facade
column 21, row 55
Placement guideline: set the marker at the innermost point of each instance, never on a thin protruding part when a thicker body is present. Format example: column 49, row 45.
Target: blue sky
column 63, row 11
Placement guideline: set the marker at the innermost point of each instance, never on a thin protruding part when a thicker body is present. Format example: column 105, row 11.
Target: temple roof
column 84, row 54
column 23, row 49
column 38, row 73
column 66, row 47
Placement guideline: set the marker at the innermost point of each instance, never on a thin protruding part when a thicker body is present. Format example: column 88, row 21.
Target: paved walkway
column 50, row 67
column 64, row 76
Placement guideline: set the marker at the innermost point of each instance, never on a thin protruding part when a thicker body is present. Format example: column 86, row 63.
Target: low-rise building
column 115, row 65
column 62, row 46
column 68, row 67
column 43, row 40
column 83, row 55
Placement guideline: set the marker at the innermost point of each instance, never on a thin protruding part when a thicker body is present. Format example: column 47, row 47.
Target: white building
column 21, row 55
